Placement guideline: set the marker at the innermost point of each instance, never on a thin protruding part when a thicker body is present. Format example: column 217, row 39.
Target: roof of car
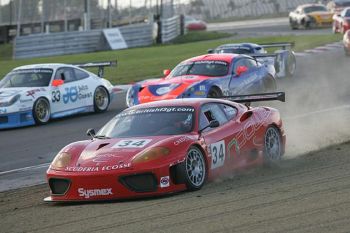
column 241, row 45
column 214, row 57
column 194, row 102
column 311, row 4
column 44, row 66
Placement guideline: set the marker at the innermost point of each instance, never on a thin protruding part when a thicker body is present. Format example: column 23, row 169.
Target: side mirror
column 57, row 82
column 91, row 133
column 166, row 72
column 212, row 124
column 210, row 51
column 241, row 69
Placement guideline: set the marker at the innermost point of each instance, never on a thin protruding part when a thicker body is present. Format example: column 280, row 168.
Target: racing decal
column 87, row 193
column 234, row 143
column 212, row 62
column 217, row 154
column 56, row 96
column 164, row 181
column 34, row 91
column 156, row 109
column 25, row 101
column 132, row 143
column 97, row 169
column 36, row 70
column 181, row 140
column 3, row 110
column 70, row 95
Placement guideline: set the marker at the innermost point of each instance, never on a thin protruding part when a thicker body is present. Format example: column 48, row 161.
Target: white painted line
column 317, row 112
column 25, row 168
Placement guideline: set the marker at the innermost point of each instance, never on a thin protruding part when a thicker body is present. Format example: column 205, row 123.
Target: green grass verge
column 200, row 36
column 142, row 63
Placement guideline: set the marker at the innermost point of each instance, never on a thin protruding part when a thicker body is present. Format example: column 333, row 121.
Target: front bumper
column 75, row 186
column 17, row 119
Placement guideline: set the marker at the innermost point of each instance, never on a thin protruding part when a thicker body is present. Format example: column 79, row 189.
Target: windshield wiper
column 101, row 137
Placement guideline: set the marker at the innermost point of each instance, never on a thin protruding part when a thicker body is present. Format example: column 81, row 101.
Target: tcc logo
column 70, row 95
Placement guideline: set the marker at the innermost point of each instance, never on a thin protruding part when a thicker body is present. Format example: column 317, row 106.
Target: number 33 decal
column 218, row 153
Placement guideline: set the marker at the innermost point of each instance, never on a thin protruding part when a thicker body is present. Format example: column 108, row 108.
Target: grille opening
column 145, row 182
column 4, row 120
column 59, row 186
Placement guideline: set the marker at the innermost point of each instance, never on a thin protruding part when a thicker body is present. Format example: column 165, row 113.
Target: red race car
column 193, row 24
column 346, row 42
column 341, row 22
column 168, row 146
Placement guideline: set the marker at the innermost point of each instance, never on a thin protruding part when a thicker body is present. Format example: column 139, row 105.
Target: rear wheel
column 193, row 171
column 334, row 28
column 41, row 111
column 291, row 65
column 269, row 84
column 273, row 145
column 101, row 99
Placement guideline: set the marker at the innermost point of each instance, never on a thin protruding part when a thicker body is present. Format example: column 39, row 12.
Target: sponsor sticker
column 97, row 169
column 218, row 152
column 87, row 193
column 132, row 143
column 155, row 110
column 164, row 181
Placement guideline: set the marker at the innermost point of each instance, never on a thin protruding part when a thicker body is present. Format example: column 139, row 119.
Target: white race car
column 34, row 94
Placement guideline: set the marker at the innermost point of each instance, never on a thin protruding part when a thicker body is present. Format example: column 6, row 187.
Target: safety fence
column 171, row 28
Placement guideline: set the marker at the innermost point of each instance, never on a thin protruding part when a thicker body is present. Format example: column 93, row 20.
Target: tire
column 342, row 29
column 334, row 28
column 101, row 99
column 41, row 111
column 269, row 84
column 292, row 24
column 214, row 92
column 193, row 172
column 291, row 65
column 272, row 145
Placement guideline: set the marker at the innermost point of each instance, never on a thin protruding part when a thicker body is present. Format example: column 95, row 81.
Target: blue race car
column 210, row 75
column 283, row 60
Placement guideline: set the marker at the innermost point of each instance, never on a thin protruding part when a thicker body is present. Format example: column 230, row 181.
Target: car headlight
column 62, row 160
column 151, row 154
column 10, row 101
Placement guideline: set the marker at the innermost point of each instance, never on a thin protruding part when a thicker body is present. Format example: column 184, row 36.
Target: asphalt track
column 307, row 193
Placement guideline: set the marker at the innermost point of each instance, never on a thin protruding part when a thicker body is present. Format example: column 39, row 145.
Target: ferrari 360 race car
column 168, row 146
column 210, row 75
column 283, row 60
column 310, row 16
column 33, row 94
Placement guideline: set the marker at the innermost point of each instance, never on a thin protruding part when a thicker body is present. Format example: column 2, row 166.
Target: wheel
column 291, row 65
column 101, row 99
column 193, row 171
column 292, row 24
column 269, row 84
column 41, row 111
column 214, row 92
column 272, row 144
column 342, row 29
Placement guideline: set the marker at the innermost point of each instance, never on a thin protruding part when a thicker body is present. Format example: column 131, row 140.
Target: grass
column 142, row 63
column 200, row 36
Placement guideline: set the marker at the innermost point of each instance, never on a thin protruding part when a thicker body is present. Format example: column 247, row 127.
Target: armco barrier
column 171, row 28
column 62, row 43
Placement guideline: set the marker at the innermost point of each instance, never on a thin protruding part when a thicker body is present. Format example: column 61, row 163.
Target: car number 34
column 218, row 154
column 132, row 143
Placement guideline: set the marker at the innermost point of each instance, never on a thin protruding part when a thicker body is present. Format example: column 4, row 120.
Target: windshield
column 27, row 78
column 154, row 121
column 205, row 68
column 234, row 50
column 314, row 9
column 342, row 3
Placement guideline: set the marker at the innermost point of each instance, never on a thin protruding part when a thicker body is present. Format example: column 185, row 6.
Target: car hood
column 9, row 92
column 162, row 89
column 111, row 152
column 320, row 13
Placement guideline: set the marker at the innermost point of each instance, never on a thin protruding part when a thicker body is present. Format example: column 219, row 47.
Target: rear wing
column 259, row 55
column 100, row 65
column 280, row 96
column 283, row 45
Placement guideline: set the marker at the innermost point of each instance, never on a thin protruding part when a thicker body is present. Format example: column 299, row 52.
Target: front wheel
column 273, row 145
column 291, row 65
column 41, row 111
column 101, row 99
column 214, row 93
column 193, row 170
column 269, row 84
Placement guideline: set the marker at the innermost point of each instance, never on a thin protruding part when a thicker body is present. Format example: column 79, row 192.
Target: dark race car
column 283, row 60
column 168, row 146
column 210, row 75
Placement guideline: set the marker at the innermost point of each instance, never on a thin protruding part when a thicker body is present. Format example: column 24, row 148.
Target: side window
column 65, row 73
column 230, row 112
column 250, row 63
column 79, row 74
column 210, row 112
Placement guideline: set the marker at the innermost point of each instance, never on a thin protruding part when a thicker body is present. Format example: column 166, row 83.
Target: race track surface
column 304, row 194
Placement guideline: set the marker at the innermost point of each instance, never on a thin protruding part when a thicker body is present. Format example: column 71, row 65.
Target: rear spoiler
column 280, row 96
column 101, row 65
column 284, row 45
column 258, row 55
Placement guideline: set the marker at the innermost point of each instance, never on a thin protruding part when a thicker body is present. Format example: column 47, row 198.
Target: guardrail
column 170, row 28
column 63, row 43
